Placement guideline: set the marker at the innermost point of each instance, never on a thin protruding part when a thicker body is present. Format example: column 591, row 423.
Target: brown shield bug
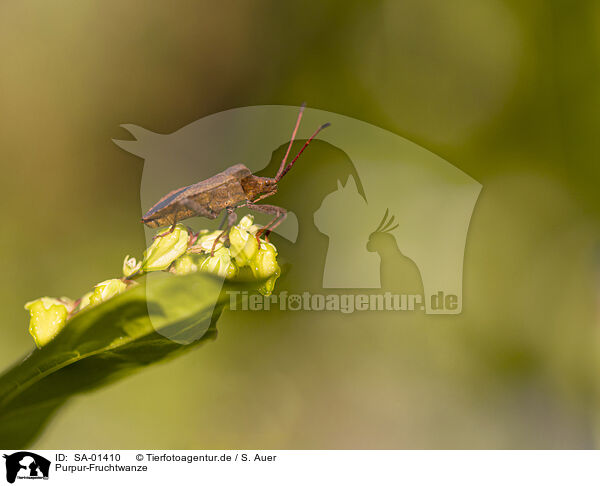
column 234, row 188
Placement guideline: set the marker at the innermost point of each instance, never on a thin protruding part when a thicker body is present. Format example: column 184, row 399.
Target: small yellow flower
column 84, row 301
column 220, row 264
column 185, row 264
column 107, row 289
column 264, row 263
column 265, row 266
column 47, row 318
column 247, row 223
column 165, row 249
column 243, row 245
column 131, row 266
column 206, row 240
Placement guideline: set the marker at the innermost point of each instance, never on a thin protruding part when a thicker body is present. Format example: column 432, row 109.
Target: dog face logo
column 26, row 465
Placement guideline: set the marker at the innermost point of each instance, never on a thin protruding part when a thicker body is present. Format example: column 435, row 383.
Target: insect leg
column 261, row 197
column 198, row 210
column 231, row 218
column 223, row 220
column 280, row 215
column 171, row 229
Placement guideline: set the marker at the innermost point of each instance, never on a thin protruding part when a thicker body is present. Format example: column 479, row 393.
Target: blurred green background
column 507, row 91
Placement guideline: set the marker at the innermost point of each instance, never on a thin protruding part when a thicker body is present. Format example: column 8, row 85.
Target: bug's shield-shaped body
column 206, row 198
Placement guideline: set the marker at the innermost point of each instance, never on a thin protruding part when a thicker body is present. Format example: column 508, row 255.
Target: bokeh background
column 507, row 91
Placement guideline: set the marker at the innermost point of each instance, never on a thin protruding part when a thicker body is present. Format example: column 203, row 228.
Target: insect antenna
column 285, row 171
column 287, row 153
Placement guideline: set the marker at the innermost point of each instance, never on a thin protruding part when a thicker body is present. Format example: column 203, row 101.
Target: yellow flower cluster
column 178, row 252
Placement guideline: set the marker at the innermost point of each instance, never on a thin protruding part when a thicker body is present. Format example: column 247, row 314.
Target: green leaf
column 162, row 317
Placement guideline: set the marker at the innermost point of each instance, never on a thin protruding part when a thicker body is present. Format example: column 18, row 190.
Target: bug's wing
column 220, row 191
column 166, row 200
column 203, row 192
column 233, row 173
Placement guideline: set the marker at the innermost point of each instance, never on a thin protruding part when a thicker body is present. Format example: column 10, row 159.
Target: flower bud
column 48, row 317
column 184, row 264
column 206, row 240
column 220, row 264
column 264, row 263
column 165, row 249
column 265, row 266
column 247, row 223
column 131, row 266
column 84, row 301
column 267, row 287
column 107, row 289
column 243, row 245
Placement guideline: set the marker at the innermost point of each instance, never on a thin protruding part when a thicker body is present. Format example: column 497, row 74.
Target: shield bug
column 234, row 188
